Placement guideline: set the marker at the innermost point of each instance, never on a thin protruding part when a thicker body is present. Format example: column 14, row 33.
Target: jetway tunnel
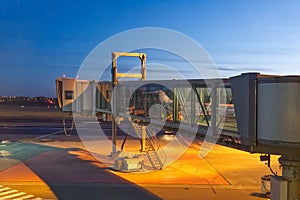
column 253, row 112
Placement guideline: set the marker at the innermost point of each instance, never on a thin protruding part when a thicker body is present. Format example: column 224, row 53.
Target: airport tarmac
column 56, row 166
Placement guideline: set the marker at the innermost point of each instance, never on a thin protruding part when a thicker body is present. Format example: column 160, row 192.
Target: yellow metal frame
column 115, row 76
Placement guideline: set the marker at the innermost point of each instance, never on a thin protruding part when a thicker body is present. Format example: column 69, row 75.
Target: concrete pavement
column 65, row 170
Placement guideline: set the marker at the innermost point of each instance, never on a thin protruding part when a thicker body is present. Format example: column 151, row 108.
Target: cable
column 269, row 165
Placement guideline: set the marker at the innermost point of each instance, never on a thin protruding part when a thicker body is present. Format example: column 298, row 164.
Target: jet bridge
column 253, row 112
column 268, row 115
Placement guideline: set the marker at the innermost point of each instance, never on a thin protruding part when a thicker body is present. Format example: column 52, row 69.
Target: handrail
column 150, row 134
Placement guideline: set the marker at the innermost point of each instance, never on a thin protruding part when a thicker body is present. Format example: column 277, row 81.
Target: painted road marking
column 4, row 153
column 8, row 193
column 30, row 196
column 4, row 189
column 13, row 196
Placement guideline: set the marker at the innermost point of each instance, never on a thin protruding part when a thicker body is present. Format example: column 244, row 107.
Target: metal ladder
column 154, row 152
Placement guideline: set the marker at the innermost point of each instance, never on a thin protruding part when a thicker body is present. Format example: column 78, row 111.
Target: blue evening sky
column 41, row 40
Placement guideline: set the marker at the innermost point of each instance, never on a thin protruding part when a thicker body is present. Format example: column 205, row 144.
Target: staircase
column 154, row 152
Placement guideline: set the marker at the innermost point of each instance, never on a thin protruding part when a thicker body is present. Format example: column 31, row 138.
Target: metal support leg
column 143, row 139
column 114, row 137
column 113, row 106
column 291, row 173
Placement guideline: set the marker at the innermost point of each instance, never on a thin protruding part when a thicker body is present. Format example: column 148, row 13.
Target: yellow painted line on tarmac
column 25, row 197
column 13, row 196
column 21, row 173
column 4, row 189
column 8, row 193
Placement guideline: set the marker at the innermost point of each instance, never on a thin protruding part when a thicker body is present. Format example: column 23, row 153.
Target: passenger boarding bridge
column 253, row 112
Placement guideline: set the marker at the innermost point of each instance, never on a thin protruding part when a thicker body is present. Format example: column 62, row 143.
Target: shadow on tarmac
column 256, row 194
column 71, row 177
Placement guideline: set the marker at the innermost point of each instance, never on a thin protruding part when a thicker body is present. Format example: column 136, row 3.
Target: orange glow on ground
column 85, row 155
column 19, row 172
column 21, row 177
column 188, row 169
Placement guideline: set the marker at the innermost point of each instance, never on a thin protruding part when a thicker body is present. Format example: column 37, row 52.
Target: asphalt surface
column 39, row 161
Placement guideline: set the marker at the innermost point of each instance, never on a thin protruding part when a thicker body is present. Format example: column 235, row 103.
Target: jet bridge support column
column 143, row 138
column 113, row 105
column 290, row 173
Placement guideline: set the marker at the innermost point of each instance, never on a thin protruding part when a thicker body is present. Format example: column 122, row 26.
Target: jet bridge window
column 69, row 94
